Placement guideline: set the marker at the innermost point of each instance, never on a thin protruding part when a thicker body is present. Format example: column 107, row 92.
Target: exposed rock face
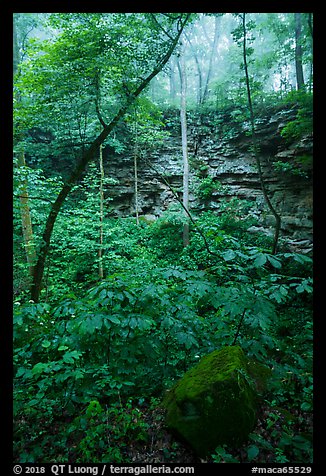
column 213, row 403
column 221, row 149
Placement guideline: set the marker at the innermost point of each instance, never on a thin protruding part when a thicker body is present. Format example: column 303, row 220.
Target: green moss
column 214, row 402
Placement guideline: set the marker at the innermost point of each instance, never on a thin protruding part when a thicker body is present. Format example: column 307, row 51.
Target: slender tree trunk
column 136, row 190
column 211, row 60
column 16, row 58
column 100, row 250
column 86, row 157
column 26, row 217
column 310, row 24
column 255, row 143
column 23, row 195
column 135, row 166
column 298, row 51
column 183, row 119
column 172, row 80
column 199, row 72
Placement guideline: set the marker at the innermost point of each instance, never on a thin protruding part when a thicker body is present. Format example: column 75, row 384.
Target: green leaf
column 252, row 452
column 229, row 255
column 63, row 347
column 22, row 372
column 78, row 374
column 306, row 406
column 260, row 260
column 103, row 294
column 113, row 319
column 46, row 344
column 274, row 262
column 39, row 368
column 304, row 286
column 70, row 357
column 33, row 402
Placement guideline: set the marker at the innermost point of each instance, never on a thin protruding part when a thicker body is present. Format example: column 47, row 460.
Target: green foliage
column 104, row 434
column 206, row 187
column 221, row 455
column 159, row 309
column 144, row 325
column 81, row 75
column 303, row 124
column 91, row 347
column 289, row 168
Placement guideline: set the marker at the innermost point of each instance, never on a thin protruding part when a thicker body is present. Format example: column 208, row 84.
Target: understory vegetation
column 92, row 363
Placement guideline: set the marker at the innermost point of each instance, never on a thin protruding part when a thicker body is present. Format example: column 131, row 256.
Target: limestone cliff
column 220, row 148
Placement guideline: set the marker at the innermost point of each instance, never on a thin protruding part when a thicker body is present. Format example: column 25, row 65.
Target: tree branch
column 239, row 327
column 97, row 100
column 160, row 26
column 185, row 209
column 33, row 198
column 86, row 157
column 254, row 140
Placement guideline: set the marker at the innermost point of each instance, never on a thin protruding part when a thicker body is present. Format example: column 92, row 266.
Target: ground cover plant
column 89, row 367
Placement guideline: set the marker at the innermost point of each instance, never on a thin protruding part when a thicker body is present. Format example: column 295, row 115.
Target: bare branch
column 160, row 26
column 98, row 98
column 33, row 198
column 185, row 209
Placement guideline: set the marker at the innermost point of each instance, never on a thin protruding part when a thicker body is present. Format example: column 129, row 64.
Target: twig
column 33, row 198
column 160, row 26
column 185, row 209
column 239, row 327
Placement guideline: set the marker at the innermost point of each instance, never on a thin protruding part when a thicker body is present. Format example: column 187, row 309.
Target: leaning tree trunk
column 255, row 143
column 86, row 157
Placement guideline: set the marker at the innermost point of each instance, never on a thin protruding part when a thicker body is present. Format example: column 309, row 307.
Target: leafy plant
column 221, row 455
column 302, row 125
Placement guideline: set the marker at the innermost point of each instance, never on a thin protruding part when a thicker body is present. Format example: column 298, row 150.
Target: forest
column 162, row 238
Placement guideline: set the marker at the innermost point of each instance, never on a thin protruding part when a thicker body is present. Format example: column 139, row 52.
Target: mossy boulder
column 214, row 403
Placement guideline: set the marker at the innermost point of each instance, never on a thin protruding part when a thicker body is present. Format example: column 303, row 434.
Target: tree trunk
column 23, row 195
column 211, row 60
column 254, row 141
column 183, row 119
column 26, row 217
column 16, row 58
column 87, row 156
column 136, row 189
column 100, row 250
column 135, row 165
column 298, row 52
column 199, row 72
column 172, row 81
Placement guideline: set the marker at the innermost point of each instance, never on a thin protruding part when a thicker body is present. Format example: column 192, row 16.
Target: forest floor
column 280, row 436
column 162, row 447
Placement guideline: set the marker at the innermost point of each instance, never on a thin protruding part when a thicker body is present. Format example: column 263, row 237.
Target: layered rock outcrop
column 220, row 148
